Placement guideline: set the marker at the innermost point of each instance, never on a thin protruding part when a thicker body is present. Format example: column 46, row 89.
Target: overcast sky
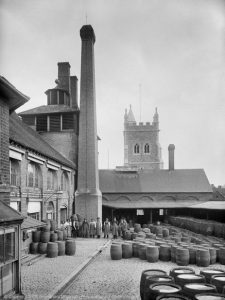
column 174, row 49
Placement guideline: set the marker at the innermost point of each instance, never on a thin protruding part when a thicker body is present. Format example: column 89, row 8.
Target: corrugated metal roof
column 29, row 222
column 210, row 205
column 24, row 135
column 48, row 109
column 154, row 181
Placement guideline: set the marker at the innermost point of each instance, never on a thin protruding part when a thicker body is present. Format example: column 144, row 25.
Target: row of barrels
column 182, row 283
column 54, row 249
column 181, row 253
column 48, row 236
column 205, row 227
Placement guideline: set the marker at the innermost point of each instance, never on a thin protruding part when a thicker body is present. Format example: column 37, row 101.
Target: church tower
column 88, row 198
column 141, row 142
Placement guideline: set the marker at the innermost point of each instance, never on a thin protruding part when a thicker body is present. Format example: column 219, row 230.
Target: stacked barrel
column 52, row 241
column 205, row 227
column 167, row 244
column 181, row 283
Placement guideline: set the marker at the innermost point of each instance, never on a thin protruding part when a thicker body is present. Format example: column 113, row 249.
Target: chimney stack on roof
column 74, row 91
column 171, row 149
column 64, row 76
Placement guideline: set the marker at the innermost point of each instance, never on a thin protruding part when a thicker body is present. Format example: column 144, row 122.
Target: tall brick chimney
column 74, row 91
column 88, row 198
column 171, row 149
column 64, row 76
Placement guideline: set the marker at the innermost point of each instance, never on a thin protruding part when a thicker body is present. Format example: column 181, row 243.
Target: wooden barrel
column 61, row 248
column 222, row 255
column 158, row 230
column 133, row 235
column 202, row 257
column 192, row 289
column 165, row 252
column 42, row 248
column 45, row 237
column 60, row 235
column 181, row 270
column 46, row 227
column 53, row 225
column 219, row 282
column 127, row 250
column 135, row 247
column 183, row 279
column 53, row 237
column 137, row 227
column 158, row 289
column 33, row 248
column 142, row 251
column 165, row 232
column 182, row 256
column 173, row 252
column 64, row 234
column 172, row 297
column 152, row 253
column 52, row 250
column 36, row 235
column 155, row 279
column 209, row 296
column 192, row 255
column 208, row 273
column 128, row 235
column 213, row 255
column 70, row 247
column 116, row 251
column 147, row 273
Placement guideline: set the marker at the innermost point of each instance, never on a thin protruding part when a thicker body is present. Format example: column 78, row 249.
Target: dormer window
column 136, row 149
column 147, row 149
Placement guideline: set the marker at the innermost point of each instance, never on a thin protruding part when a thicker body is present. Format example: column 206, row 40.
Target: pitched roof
column 7, row 213
column 219, row 205
column 13, row 96
column 22, row 134
column 154, row 181
column 48, row 109
column 29, row 222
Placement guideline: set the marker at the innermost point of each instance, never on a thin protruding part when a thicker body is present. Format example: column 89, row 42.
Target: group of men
column 94, row 228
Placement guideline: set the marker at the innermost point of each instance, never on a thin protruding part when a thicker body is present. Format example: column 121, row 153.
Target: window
column 52, row 180
column 67, row 122
column 34, row 175
column 61, row 97
column 29, row 120
column 64, row 181
column 54, row 122
column 41, row 123
column 14, row 172
column 50, row 211
column 146, row 148
column 136, row 148
column 8, row 259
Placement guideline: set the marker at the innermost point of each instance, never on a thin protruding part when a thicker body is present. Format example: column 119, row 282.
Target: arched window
column 52, row 180
column 64, row 181
column 34, row 175
column 146, row 148
column 136, row 148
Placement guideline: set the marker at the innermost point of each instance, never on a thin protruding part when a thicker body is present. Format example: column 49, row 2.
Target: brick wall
column 4, row 151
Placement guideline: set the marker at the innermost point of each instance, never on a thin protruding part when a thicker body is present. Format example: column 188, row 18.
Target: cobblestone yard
column 115, row 279
column 40, row 278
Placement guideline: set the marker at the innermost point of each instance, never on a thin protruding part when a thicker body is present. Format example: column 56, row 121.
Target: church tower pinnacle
column 88, row 198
